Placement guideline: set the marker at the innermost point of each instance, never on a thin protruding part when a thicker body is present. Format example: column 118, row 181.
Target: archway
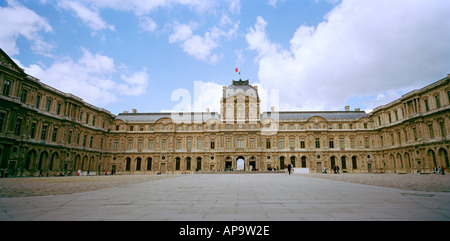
column 240, row 163
column 443, row 157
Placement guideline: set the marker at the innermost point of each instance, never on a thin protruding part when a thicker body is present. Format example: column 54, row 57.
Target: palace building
column 44, row 131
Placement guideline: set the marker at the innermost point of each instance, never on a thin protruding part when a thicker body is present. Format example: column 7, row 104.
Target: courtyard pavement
column 234, row 197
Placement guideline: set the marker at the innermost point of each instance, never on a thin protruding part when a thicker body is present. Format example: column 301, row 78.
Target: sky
column 176, row 55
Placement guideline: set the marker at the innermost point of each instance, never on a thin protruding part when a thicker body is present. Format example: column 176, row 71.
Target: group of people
column 439, row 170
column 335, row 169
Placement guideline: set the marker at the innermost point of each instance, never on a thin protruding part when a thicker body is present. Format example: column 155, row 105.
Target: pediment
column 8, row 63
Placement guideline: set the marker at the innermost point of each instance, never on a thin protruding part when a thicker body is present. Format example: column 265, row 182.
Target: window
column 2, row 119
column 415, row 133
column 281, row 143
column 23, row 98
column 291, row 142
column 150, row 144
column 101, row 144
column 32, row 130
column 267, row 143
column 213, row 127
column 6, row 87
column 130, row 144
column 178, row 144
column 58, row 109
column 352, row 142
column 69, row 137
column 199, row 143
column 55, row 134
column 91, row 142
column 252, row 143
column 164, row 144
column 443, row 132
column 48, row 105
column 213, row 144
column 427, row 107
column 116, row 144
column 131, row 128
column 141, row 128
column 140, row 144
column 38, row 100
column 341, row 143
column 430, row 128
column 331, row 142
column 302, row 143
column 93, row 120
column 228, row 143
column 317, row 142
column 240, row 143
column 366, row 141
column 438, row 101
column 84, row 140
column 18, row 127
column 189, row 144
column 44, row 132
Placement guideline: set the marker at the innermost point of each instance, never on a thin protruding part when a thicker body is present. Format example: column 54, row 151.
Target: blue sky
column 167, row 55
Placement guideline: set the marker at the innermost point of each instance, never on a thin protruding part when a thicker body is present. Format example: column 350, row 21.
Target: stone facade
column 44, row 131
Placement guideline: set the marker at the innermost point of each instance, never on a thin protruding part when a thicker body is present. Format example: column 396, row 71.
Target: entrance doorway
column 319, row 167
column 240, row 163
column 163, row 168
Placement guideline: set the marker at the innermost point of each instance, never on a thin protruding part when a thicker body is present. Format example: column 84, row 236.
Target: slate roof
column 153, row 117
column 305, row 115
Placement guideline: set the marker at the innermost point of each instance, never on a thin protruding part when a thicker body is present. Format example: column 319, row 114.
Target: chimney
column 134, row 111
column 207, row 110
column 347, row 108
column 272, row 108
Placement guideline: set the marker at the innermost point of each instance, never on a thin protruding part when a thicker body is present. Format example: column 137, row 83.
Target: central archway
column 240, row 163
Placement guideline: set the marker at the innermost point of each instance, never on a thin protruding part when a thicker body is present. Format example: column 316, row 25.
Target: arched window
column 304, row 161
column 344, row 162
column 149, row 164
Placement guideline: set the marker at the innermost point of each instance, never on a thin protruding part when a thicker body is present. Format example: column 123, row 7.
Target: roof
column 305, row 115
column 175, row 116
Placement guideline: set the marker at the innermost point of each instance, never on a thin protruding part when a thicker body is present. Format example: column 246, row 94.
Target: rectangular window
column 116, row 144
column 430, row 128
column 38, row 101
column 69, row 137
column 44, row 132
column 331, row 142
column 189, row 144
column 84, row 140
column 150, row 144
column 415, row 133
column 2, row 120
column 427, row 107
column 240, row 143
column 317, row 142
column 291, row 142
column 302, row 143
column 18, row 127
column 58, row 108
column 341, row 143
column 199, row 143
column 438, row 101
column 130, row 144
column 267, row 143
column 32, row 130
column 252, row 143
column 140, row 144
column 213, row 144
column 55, row 134
column 281, row 143
column 87, row 118
column 352, row 142
column 23, row 98
column 91, row 142
column 366, row 141
column 6, row 87
column 443, row 132
column 178, row 144
column 164, row 144
column 48, row 105
column 228, row 143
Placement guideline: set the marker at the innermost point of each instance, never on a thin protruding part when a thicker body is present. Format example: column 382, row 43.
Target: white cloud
column 363, row 48
column 147, row 24
column 201, row 47
column 90, row 78
column 19, row 21
column 90, row 17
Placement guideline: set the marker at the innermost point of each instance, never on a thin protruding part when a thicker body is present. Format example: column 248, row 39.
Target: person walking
column 289, row 168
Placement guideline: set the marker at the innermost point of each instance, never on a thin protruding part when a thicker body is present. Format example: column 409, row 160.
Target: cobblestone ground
column 43, row 186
